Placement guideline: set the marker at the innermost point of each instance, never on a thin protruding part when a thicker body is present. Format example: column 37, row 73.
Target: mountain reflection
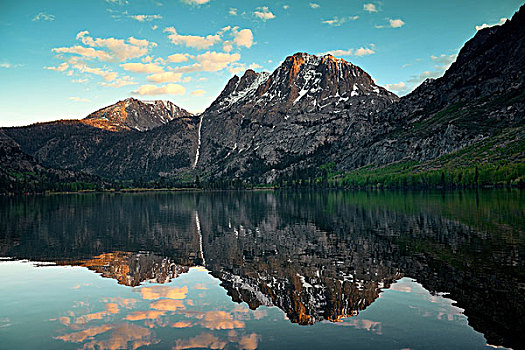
column 131, row 269
column 317, row 256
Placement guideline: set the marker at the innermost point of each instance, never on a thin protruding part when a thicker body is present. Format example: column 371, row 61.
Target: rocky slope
column 20, row 172
column 133, row 114
column 91, row 146
column 262, row 123
column 316, row 110
column 480, row 96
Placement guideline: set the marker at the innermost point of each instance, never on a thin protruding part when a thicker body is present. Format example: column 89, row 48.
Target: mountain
column 262, row 123
column 94, row 146
column 132, row 269
column 314, row 118
column 478, row 98
column 319, row 111
column 261, row 120
column 133, row 114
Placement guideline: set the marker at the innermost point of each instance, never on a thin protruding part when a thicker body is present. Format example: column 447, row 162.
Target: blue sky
column 65, row 59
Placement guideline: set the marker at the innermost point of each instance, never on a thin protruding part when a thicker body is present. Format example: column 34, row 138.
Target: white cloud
column 336, row 21
column 179, row 57
column 227, row 46
column 264, row 13
column 86, row 52
column 211, row 62
column 79, row 99
column 243, row 37
column 337, row 53
column 147, row 59
column 485, row 25
column 286, row 7
column 168, row 89
column 254, row 66
column 142, row 67
column 124, row 81
column 401, row 86
column 118, row 49
column 215, row 61
column 79, row 80
column 165, row 77
column 396, row 23
column 147, row 18
column 314, row 5
column 42, row 16
column 362, row 51
column 236, row 68
column 195, row 41
column 392, row 23
column 198, row 92
column 370, row 8
column 61, row 67
column 154, row 27
column 5, row 65
column 232, row 11
column 195, row 2
column 107, row 75
column 139, row 42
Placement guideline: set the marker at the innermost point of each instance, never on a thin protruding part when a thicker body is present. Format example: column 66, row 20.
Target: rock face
column 262, row 123
column 479, row 96
column 132, row 269
column 133, row 114
column 315, row 110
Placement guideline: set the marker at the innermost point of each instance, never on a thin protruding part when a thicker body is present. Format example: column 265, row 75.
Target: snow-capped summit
column 303, row 82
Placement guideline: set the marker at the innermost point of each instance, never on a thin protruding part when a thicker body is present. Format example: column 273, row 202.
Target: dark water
column 246, row 270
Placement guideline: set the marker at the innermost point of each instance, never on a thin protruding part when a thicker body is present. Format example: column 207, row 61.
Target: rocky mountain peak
column 264, row 121
column 302, row 82
column 134, row 114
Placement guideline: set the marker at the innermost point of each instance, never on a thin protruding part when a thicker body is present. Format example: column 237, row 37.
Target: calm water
column 247, row 270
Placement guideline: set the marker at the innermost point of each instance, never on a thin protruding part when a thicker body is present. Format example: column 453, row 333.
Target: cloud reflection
column 144, row 315
column 125, row 336
column 159, row 292
column 167, row 305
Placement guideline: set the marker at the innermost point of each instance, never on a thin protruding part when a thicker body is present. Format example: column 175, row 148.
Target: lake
column 268, row 270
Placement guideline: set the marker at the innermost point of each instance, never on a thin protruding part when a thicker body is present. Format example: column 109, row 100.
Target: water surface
column 247, row 270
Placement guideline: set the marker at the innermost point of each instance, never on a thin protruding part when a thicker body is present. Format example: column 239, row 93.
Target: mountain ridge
column 134, row 114
column 263, row 120
column 311, row 111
